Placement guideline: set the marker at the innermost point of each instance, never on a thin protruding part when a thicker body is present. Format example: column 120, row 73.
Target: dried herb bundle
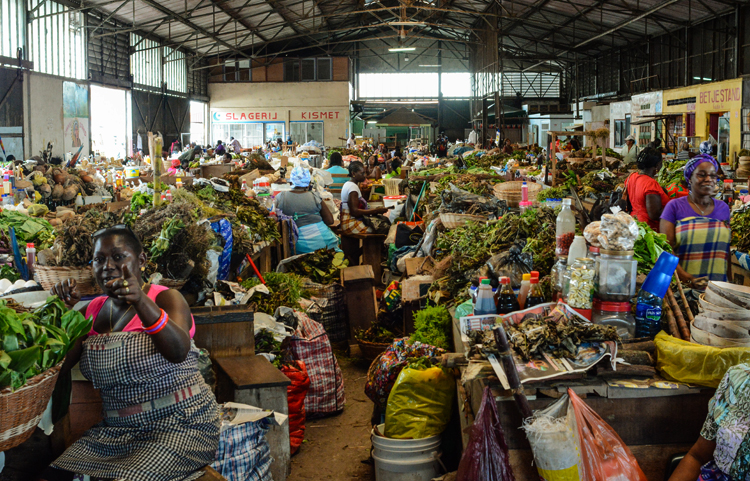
column 322, row 266
column 286, row 291
column 74, row 245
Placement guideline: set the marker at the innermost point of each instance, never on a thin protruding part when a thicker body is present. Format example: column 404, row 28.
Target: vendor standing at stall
column 697, row 226
column 630, row 151
column 309, row 212
column 161, row 420
column 646, row 195
column 353, row 206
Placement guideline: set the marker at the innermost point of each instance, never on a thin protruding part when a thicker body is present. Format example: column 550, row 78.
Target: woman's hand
column 126, row 288
column 67, row 290
column 381, row 210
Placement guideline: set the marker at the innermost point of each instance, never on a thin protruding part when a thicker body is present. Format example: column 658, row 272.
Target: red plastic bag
column 296, row 393
column 603, row 454
column 486, row 455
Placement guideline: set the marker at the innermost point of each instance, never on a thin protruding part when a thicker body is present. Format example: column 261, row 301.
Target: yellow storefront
column 709, row 109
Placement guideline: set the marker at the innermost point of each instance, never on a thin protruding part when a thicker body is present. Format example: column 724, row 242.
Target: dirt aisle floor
column 338, row 448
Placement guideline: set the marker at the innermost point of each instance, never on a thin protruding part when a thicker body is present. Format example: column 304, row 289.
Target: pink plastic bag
column 486, row 456
column 603, row 454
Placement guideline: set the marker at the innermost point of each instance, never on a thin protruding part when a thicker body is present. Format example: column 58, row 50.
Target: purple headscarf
column 695, row 162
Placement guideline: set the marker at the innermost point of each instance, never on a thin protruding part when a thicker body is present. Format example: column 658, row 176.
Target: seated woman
column 721, row 452
column 697, row 226
column 646, row 195
column 309, row 213
column 353, row 206
column 161, row 420
column 394, row 169
column 336, row 163
column 373, row 170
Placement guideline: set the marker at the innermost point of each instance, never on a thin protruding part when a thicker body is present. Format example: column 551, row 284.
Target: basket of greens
column 33, row 348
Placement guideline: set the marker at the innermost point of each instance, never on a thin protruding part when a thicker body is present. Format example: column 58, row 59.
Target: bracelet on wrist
column 159, row 325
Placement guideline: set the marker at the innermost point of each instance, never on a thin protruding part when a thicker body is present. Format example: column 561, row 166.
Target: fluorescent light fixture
column 372, row 121
column 402, row 49
column 408, row 24
column 703, row 78
column 429, row 65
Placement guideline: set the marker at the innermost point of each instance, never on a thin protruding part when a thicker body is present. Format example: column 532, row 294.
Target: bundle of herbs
column 265, row 343
column 375, row 333
column 322, row 266
column 35, row 342
column 74, row 246
column 432, row 325
column 740, row 224
column 648, row 247
column 28, row 229
column 286, row 291
column 176, row 239
column 553, row 193
column 671, row 173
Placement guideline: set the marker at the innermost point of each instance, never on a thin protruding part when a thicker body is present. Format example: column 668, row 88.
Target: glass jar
column 593, row 252
column 616, row 314
column 617, row 275
column 582, row 283
column 558, row 277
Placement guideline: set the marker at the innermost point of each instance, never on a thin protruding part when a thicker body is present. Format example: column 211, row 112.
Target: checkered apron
column 351, row 225
column 161, row 421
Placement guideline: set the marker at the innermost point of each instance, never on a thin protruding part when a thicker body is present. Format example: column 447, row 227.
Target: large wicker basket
column 21, row 410
column 49, row 276
column 371, row 350
column 510, row 192
column 453, row 221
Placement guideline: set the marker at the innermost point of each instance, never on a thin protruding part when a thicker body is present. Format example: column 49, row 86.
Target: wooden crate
column 359, row 282
column 224, row 331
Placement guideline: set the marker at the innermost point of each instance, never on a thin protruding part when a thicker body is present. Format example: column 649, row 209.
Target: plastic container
column 524, row 291
column 485, row 303
column 650, row 297
column 30, row 259
column 524, row 192
column 505, row 299
column 405, row 459
column 523, row 205
column 728, row 194
column 616, row 314
column 79, row 199
column 558, row 277
column 617, row 275
column 565, row 229
column 132, row 171
column 392, row 200
column 577, row 249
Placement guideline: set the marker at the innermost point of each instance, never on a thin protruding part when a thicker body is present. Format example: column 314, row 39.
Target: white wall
column 555, row 122
column 617, row 111
column 288, row 101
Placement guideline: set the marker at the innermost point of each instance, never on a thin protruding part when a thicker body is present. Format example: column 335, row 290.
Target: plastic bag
column 604, row 455
column 618, row 231
column 682, row 361
column 512, row 263
column 420, row 402
column 591, row 233
column 486, row 455
column 553, row 436
column 296, row 393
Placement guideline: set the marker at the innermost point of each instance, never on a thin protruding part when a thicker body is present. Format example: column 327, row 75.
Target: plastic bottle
column 485, row 304
column 565, row 229
column 525, row 285
column 524, row 192
column 79, row 199
column 535, row 296
column 169, row 195
column 244, row 186
column 577, row 249
column 178, row 183
column 649, row 300
column 7, row 187
column 505, row 299
column 30, row 258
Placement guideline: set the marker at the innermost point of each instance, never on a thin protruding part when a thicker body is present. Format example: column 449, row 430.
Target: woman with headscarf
column 353, row 205
column 309, row 212
column 646, row 195
column 697, row 226
column 721, row 452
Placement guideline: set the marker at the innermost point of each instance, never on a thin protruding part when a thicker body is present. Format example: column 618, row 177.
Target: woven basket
column 172, row 283
column 371, row 350
column 49, row 276
column 23, row 408
column 510, row 192
column 452, row 221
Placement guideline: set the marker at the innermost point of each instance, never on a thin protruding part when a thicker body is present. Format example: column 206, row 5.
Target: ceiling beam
column 222, row 5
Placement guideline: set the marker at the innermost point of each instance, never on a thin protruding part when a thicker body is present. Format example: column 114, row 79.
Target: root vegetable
column 70, row 193
column 57, row 192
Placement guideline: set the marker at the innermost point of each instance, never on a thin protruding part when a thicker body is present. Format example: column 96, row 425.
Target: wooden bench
column 367, row 246
column 255, row 381
column 337, row 178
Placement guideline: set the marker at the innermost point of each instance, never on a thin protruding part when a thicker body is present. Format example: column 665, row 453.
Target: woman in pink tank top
column 140, row 356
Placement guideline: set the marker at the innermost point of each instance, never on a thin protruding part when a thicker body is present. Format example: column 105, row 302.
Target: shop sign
column 319, row 115
column 245, row 116
column 717, row 98
column 646, row 104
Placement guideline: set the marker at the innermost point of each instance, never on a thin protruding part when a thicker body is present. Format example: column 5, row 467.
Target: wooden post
column 154, row 149
column 553, row 159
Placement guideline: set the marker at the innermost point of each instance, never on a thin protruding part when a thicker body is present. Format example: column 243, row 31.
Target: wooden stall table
column 262, row 255
column 655, row 423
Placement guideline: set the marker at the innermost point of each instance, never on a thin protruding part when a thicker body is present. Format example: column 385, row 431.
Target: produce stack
column 724, row 318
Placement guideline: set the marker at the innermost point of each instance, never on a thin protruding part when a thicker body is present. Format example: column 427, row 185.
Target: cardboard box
column 419, row 265
column 415, row 287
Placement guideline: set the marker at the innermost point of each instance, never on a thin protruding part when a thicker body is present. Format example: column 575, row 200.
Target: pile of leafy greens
column 28, row 229
column 648, row 247
column 286, row 291
column 322, row 266
column 740, row 224
column 35, row 342
column 671, row 173
column 432, row 326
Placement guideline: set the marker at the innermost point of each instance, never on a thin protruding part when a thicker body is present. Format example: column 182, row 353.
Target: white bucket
column 405, row 459
column 131, row 171
column 392, row 200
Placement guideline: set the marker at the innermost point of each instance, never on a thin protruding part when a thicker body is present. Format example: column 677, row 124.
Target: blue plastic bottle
column 649, row 300
column 485, row 304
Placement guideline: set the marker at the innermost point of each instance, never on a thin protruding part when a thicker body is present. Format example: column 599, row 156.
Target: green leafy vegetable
column 432, row 326
column 286, row 290
column 648, row 247
column 322, row 266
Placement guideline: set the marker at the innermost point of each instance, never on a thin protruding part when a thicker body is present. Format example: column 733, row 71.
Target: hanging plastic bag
column 553, row 436
column 420, row 402
column 486, row 455
column 605, row 457
column 296, row 392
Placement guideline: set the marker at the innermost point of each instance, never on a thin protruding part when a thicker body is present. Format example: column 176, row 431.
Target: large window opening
column 250, row 134
column 110, row 116
column 197, row 122
column 303, row 132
